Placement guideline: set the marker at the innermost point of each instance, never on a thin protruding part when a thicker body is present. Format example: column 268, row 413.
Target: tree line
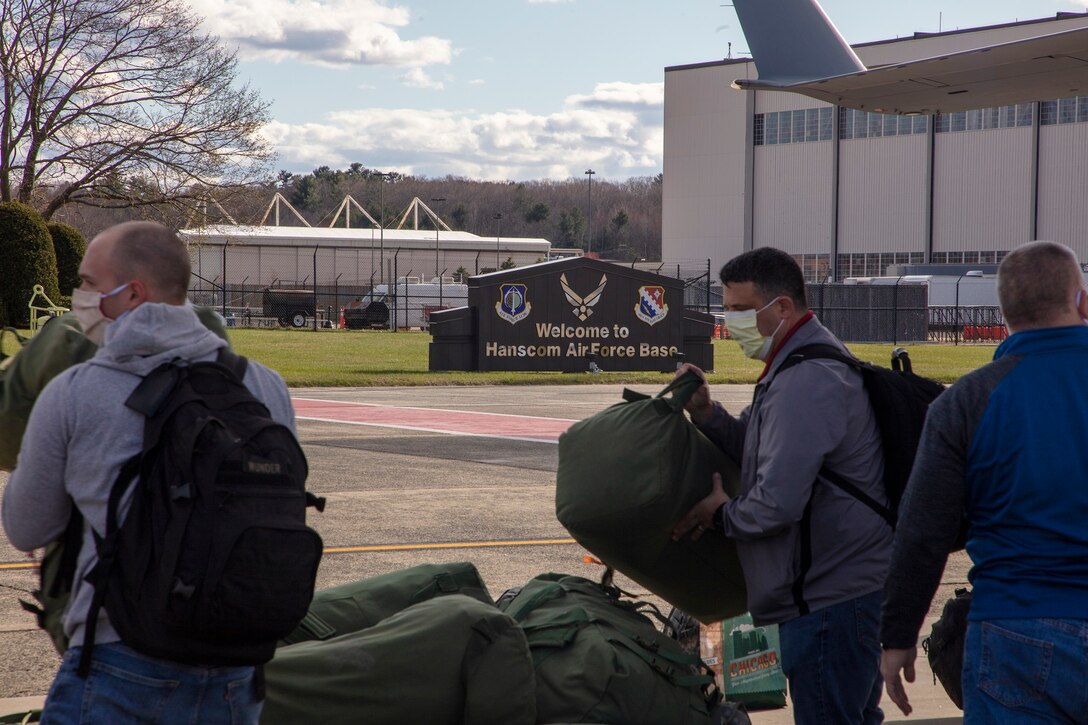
column 626, row 223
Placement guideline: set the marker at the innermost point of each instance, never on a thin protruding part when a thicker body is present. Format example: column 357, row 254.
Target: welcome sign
column 572, row 315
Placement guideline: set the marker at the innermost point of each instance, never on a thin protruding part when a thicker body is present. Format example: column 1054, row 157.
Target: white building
column 850, row 192
column 293, row 256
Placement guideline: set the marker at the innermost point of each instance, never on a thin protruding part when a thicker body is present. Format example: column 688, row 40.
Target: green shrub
column 69, row 246
column 29, row 259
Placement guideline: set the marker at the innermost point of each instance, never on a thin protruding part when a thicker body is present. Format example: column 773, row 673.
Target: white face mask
column 744, row 328
column 87, row 307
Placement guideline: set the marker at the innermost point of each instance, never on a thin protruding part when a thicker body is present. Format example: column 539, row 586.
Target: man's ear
column 787, row 306
column 139, row 292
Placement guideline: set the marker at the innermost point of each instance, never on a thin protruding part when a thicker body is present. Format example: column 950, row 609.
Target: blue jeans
column 125, row 686
column 831, row 658
column 1026, row 671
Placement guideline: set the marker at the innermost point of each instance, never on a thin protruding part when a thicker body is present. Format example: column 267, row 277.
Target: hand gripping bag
column 627, row 475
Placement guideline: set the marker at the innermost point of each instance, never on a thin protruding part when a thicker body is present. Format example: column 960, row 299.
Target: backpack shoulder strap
column 822, row 351
column 232, row 361
column 818, row 351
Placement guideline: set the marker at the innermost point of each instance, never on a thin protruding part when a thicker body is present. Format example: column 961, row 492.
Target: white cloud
column 418, row 78
column 627, row 95
column 328, row 32
column 617, row 129
column 481, row 81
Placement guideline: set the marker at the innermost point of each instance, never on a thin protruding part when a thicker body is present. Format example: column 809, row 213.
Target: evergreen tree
column 29, row 259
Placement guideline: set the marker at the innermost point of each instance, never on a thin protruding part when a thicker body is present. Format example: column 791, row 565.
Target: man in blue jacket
column 1007, row 446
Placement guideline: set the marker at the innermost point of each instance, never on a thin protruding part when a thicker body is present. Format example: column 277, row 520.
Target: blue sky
column 508, row 89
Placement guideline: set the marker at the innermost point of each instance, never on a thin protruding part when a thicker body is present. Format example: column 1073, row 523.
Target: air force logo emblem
column 651, row 307
column 582, row 304
column 513, row 306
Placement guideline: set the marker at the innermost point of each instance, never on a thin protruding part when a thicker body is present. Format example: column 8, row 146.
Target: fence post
column 708, row 285
column 895, row 312
column 396, row 295
column 223, row 297
column 336, row 296
column 315, row 287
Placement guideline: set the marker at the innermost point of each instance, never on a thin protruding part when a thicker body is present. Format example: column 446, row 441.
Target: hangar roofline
column 917, row 35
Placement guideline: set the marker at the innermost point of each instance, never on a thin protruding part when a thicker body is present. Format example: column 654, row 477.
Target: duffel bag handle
column 682, row 388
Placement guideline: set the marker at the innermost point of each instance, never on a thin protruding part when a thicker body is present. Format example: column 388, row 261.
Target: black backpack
column 900, row 400
column 213, row 562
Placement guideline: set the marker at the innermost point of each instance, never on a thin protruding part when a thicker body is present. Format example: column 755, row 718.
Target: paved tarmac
column 402, row 492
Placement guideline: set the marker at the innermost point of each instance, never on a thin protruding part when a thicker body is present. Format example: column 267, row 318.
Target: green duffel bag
column 361, row 604
column 599, row 659
column 627, row 475
column 451, row 660
column 58, row 346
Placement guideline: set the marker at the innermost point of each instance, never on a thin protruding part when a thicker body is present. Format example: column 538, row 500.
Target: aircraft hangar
column 850, row 192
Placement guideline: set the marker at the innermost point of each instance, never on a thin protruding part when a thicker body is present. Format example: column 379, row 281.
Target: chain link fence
column 337, row 287
column 966, row 324
column 886, row 313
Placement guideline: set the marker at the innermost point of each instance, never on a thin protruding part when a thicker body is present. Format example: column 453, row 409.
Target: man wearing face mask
column 1006, row 447
column 815, row 558
column 67, row 340
column 135, row 276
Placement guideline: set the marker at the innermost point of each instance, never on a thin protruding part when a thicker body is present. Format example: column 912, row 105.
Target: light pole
column 959, row 325
column 498, row 230
column 589, row 217
column 436, row 200
column 382, row 176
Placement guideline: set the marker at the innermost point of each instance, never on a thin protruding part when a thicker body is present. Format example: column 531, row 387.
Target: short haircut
column 154, row 254
column 1036, row 282
column 773, row 273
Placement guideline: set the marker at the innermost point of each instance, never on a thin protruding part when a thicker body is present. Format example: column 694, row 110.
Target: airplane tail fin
column 793, row 41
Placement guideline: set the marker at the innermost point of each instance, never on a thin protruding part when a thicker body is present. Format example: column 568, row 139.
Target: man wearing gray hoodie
column 135, row 279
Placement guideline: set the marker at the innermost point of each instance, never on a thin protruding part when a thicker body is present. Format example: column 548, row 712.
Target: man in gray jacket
column 135, row 278
column 814, row 556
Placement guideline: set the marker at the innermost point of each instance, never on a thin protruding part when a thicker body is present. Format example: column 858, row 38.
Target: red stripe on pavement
column 456, row 422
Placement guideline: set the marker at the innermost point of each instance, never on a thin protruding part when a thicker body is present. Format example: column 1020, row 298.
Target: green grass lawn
column 337, row 358
column 364, row 358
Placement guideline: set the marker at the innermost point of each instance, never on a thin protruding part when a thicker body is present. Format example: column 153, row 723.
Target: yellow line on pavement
column 385, row 547
column 20, row 565
column 447, row 545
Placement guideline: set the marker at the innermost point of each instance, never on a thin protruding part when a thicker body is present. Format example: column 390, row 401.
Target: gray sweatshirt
column 80, row 434
column 814, row 414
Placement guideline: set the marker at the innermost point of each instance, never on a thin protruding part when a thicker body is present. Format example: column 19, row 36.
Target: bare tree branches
column 120, row 103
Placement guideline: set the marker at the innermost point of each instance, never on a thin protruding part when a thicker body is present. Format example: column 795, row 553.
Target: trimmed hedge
column 27, row 250
column 69, row 246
